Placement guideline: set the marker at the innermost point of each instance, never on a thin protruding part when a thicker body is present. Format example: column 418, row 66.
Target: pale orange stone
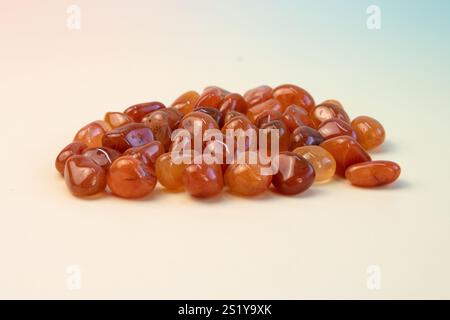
column 322, row 161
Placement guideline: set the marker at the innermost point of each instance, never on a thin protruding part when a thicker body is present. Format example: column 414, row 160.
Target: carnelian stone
column 211, row 97
column 139, row 111
column 74, row 148
column 117, row 119
column 148, row 153
column 241, row 123
column 369, row 132
column 230, row 115
column 158, row 122
column 102, row 156
column 233, row 102
column 92, row 134
column 289, row 94
column 175, row 117
column 129, row 177
column 214, row 113
column 246, row 179
column 83, row 176
column 322, row 161
column 267, row 116
column 346, row 151
column 203, row 180
column 336, row 103
column 204, row 121
column 373, row 173
column 327, row 111
column 295, row 116
column 334, row 128
column 270, row 104
column 258, row 95
column 185, row 103
column 220, row 91
column 305, row 136
column 128, row 136
column 169, row 172
column 284, row 140
column 295, row 174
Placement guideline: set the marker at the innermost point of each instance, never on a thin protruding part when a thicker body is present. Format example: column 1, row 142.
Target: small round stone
column 322, row 161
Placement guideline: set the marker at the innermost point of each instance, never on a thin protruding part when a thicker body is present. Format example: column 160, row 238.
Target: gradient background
column 318, row 245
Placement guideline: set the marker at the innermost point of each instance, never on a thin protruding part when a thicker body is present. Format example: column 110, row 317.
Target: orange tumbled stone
column 117, row 119
column 233, row 102
column 268, row 105
column 102, row 156
column 170, row 172
column 139, row 111
column 257, row 95
column 203, row 180
column 148, row 153
column 369, row 132
column 334, row 128
column 346, row 151
column 92, row 134
column 289, row 94
column 212, row 97
column 74, row 148
column 295, row 174
column 129, row 177
column 185, row 103
column 322, row 161
column 158, row 122
column 128, row 136
column 83, row 177
column 373, row 173
column 246, row 179
column 295, row 116
column 327, row 111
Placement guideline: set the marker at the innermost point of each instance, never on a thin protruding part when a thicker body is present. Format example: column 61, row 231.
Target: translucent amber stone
column 369, row 132
column 346, row 151
column 83, row 177
column 289, row 94
column 295, row 116
column 117, row 119
column 267, row 116
column 271, row 104
column 233, row 102
column 92, row 134
column 148, row 153
column 241, row 123
column 327, row 111
column 74, row 148
column 128, row 136
column 102, row 156
column 258, row 95
column 129, row 177
column 158, row 122
column 175, row 117
column 169, row 173
column 211, row 97
column 230, row 115
column 373, row 173
column 139, row 111
column 214, row 113
column 336, row 103
column 216, row 89
column 203, row 180
column 246, row 179
column 295, row 174
column 322, row 161
column 284, row 141
column 185, row 103
column 305, row 136
column 205, row 121
column 334, row 128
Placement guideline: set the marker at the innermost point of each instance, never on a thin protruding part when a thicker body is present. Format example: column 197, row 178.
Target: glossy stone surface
column 267, row 116
column 233, row 102
column 117, row 119
column 305, row 136
column 230, row 115
column 102, row 156
column 346, row 151
column 92, row 134
column 83, row 177
column 369, row 132
column 295, row 174
column 185, row 103
column 241, row 123
column 334, row 128
column 211, row 97
column 289, row 94
column 74, row 148
column 169, row 173
column 129, row 177
column 324, row 112
column 158, row 122
column 258, row 95
column 373, row 173
column 246, row 179
column 271, row 104
column 148, row 153
column 322, row 161
column 203, row 180
column 295, row 116
column 284, row 140
column 200, row 119
column 139, row 111
column 128, row 136
column 214, row 113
